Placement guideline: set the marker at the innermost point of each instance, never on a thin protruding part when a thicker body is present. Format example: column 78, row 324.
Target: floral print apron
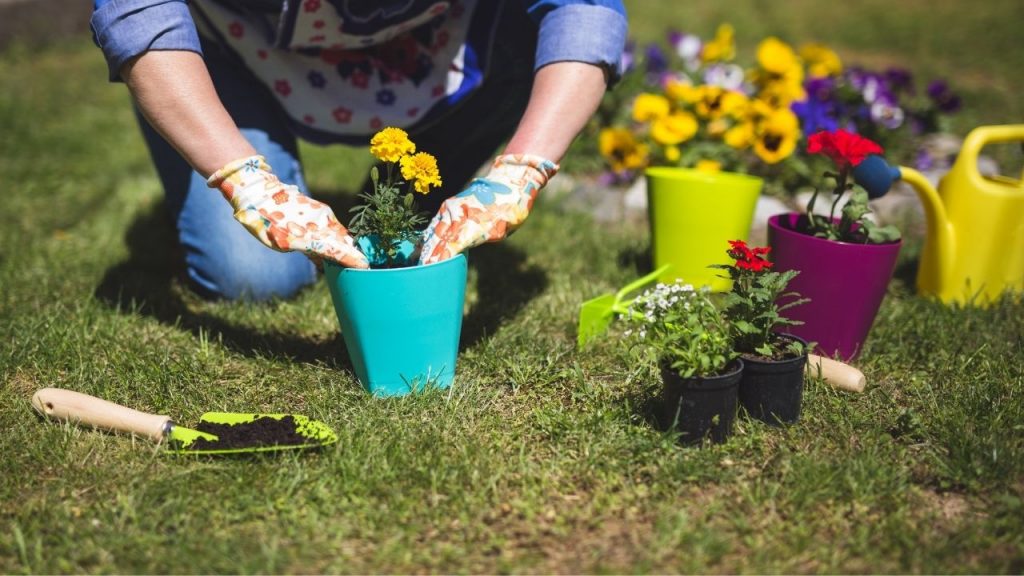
column 349, row 67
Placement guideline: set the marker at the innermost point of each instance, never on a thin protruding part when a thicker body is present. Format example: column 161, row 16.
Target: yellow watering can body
column 974, row 245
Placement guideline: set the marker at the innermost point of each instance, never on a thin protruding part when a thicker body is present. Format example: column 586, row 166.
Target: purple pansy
column 943, row 97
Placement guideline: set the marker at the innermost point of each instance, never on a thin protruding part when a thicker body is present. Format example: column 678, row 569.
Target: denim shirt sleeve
column 124, row 29
column 580, row 31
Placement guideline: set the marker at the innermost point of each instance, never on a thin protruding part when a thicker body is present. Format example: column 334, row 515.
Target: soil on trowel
column 261, row 432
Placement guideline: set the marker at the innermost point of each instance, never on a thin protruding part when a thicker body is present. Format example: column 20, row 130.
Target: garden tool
column 75, row 407
column 974, row 243
column 835, row 373
column 597, row 313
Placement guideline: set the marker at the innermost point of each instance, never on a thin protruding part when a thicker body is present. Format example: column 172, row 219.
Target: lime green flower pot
column 693, row 215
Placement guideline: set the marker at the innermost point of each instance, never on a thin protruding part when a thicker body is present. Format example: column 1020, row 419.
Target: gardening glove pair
column 281, row 217
column 489, row 209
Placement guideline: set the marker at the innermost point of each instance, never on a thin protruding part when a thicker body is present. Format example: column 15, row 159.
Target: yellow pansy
column 821, row 60
column 717, row 127
column 716, row 102
column 674, row 128
column 777, row 135
column 722, row 47
column 775, row 56
column 683, row 92
column 782, row 91
column 672, row 154
column 740, row 136
column 390, row 144
column 421, row 170
column 705, row 165
column 648, row 107
column 621, row 149
column 780, row 79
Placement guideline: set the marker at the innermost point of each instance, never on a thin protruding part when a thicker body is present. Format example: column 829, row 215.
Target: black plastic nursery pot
column 772, row 390
column 702, row 407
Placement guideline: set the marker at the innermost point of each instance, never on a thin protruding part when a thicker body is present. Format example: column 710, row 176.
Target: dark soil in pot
column 701, row 407
column 772, row 390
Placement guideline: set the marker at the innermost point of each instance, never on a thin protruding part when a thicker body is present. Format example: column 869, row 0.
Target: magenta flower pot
column 845, row 282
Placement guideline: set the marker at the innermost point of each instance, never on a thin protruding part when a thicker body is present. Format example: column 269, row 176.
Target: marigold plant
column 388, row 217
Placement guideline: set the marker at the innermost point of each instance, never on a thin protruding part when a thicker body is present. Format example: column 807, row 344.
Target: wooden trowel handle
column 75, row 407
column 835, row 373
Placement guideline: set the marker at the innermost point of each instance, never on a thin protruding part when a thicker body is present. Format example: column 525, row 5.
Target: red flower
column 844, row 148
column 236, row 29
column 283, row 87
column 749, row 258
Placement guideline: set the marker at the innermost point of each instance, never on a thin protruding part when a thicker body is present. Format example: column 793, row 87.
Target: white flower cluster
column 652, row 306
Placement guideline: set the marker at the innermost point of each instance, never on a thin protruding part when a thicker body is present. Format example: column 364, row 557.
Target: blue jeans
column 224, row 261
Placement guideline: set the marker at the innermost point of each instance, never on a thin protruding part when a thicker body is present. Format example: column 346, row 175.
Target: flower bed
column 691, row 103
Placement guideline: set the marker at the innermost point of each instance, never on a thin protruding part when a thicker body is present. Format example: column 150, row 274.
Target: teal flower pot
column 401, row 326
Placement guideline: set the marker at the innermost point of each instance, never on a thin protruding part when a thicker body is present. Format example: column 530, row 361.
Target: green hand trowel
column 597, row 313
column 75, row 407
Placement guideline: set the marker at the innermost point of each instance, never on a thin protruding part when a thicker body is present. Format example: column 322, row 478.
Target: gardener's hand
column 489, row 209
column 281, row 217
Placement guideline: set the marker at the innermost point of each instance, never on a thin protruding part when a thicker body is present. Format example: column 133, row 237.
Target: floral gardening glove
column 282, row 217
column 489, row 209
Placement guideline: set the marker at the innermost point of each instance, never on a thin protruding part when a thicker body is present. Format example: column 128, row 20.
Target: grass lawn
column 542, row 458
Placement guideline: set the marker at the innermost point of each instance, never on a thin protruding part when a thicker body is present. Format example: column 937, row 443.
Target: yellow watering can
column 974, row 244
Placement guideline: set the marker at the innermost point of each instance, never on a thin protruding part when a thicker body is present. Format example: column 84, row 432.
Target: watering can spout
column 876, row 176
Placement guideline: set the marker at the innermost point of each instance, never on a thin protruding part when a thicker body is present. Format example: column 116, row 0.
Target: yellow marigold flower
column 621, row 149
column 421, row 170
column 821, row 60
column 648, row 107
column 672, row 154
column 674, row 129
column 722, row 48
column 705, row 165
column 775, row 56
column 777, row 136
column 390, row 144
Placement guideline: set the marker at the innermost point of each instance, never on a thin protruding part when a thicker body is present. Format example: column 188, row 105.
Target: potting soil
column 263, row 431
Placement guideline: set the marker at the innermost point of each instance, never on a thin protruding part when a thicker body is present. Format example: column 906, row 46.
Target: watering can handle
column 984, row 135
column 620, row 304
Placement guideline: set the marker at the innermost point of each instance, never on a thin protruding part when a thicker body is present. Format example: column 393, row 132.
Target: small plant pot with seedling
column 771, row 387
column 688, row 337
column 401, row 321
